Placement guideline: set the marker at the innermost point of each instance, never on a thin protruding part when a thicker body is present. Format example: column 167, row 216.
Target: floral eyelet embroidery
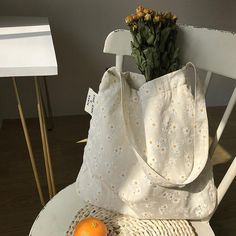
column 122, row 175
column 186, row 131
column 162, row 209
column 165, row 150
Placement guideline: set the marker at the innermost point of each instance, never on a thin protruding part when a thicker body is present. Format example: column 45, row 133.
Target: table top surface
column 26, row 47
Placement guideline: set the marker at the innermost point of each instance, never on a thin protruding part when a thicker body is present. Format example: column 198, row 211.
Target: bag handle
column 149, row 171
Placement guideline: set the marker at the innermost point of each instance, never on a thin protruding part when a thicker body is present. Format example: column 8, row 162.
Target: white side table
column 26, row 49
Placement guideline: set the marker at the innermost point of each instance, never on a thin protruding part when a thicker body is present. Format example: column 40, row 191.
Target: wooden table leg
column 43, row 129
column 28, row 142
column 49, row 117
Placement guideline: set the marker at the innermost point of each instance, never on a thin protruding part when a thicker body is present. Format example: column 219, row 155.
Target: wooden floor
column 19, row 202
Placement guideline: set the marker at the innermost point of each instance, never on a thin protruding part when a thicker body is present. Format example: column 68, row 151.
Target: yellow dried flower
column 139, row 9
column 147, row 17
column 147, row 11
column 156, row 18
column 135, row 17
column 135, row 27
column 168, row 15
column 128, row 20
column 153, row 13
column 164, row 15
column 174, row 17
column 140, row 14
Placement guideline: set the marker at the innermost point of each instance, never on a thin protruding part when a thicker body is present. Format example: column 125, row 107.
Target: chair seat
column 59, row 212
column 55, row 218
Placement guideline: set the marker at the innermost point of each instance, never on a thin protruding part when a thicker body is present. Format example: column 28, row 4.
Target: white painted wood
column 226, row 181
column 209, row 49
column 202, row 228
column 59, row 212
column 119, row 62
column 207, row 81
column 118, row 42
column 26, row 47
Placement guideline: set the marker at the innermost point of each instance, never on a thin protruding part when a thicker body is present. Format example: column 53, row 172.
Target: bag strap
column 154, row 176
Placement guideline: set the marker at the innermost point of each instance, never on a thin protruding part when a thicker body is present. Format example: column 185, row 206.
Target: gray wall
column 79, row 28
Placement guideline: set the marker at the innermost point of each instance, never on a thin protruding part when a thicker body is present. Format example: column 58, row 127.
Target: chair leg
column 28, row 142
column 43, row 130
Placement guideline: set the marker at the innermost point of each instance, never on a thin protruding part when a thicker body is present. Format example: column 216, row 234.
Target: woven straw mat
column 121, row 225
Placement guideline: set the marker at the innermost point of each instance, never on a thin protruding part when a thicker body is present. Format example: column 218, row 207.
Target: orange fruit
column 90, row 227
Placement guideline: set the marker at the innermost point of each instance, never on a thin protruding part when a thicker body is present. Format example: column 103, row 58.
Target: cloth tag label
column 90, row 101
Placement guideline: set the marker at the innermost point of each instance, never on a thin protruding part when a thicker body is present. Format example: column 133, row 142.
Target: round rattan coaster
column 121, row 225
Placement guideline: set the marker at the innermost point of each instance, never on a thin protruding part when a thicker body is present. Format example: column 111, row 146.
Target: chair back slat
column 208, row 49
column 226, row 181
column 118, row 42
column 207, row 81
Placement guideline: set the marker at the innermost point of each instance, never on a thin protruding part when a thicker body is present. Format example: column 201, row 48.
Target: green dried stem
column 154, row 38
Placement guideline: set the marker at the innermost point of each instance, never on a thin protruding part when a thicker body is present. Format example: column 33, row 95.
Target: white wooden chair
column 210, row 50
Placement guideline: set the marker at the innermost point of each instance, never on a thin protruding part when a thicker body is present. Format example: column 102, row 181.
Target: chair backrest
column 210, row 50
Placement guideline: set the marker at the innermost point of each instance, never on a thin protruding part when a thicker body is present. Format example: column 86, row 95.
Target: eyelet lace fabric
column 147, row 149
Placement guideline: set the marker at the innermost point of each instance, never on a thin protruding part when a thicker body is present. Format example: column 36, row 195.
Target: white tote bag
column 147, row 149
